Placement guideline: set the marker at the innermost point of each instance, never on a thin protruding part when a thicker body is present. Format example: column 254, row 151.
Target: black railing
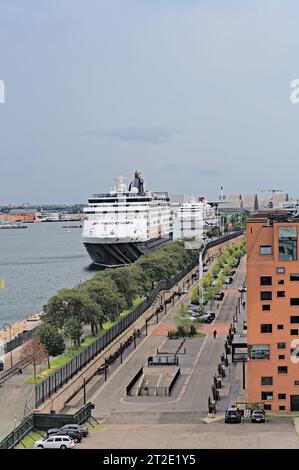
column 19, row 340
column 42, row 422
column 61, row 376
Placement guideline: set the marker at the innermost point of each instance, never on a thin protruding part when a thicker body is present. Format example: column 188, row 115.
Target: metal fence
column 11, row 371
column 42, row 422
column 61, row 376
column 19, row 340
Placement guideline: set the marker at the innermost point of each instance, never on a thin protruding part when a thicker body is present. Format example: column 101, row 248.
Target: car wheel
column 63, row 447
column 40, row 446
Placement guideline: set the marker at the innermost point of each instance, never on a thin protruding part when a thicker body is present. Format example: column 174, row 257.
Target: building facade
column 273, row 311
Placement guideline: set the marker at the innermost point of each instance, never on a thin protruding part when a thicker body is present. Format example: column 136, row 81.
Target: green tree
column 104, row 292
column 73, row 330
column 210, row 294
column 52, row 340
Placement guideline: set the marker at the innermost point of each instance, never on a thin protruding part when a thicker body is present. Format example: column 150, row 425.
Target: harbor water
column 35, row 263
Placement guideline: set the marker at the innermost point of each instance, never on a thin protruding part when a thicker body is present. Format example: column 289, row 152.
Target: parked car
column 73, row 427
column 194, row 302
column 196, row 315
column 243, row 289
column 82, row 429
column 55, row 442
column 219, row 296
column 232, row 272
column 184, row 291
column 232, row 415
column 194, row 308
column 258, row 416
column 193, row 318
column 228, row 280
column 72, row 433
column 205, row 269
column 208, row 317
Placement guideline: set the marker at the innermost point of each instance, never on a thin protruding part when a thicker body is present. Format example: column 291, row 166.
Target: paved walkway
column 15, row 395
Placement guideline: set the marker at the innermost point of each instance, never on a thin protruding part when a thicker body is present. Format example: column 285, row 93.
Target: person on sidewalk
column 215, row 334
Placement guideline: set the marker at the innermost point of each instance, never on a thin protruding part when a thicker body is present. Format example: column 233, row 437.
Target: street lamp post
column 5, row 325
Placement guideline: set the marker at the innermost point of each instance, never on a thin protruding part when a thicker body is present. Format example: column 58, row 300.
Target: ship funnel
column 137, row 183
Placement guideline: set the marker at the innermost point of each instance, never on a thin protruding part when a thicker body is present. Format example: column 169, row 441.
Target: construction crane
column 273, row 191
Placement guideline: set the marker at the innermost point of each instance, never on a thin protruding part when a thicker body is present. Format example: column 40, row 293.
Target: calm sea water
column 35, row 263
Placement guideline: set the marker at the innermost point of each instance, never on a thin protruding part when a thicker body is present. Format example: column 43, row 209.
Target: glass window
column 282, row 407
column 281, row 357
column 280, row 270
column 282, row 369
column 267, row 407
column 281, row 293
column 294, row 277
column 294, row 332
column 287, row 244
column 266, row 295
column 266, row 280
column 266, row 307
column 267, row 395
column 294, row 301
column 282, row 396
column 281, row 345
column 295, row 319
column 266, row 328
column 266, row 380
column 280, row 327
column 280, row 281
column 296, row 382
column 259, row 351
column 266, row 250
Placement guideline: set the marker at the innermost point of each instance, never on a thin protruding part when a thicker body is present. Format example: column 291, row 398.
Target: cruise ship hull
column 111, row 255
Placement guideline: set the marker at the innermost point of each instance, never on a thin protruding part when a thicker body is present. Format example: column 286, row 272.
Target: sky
column 193, row 93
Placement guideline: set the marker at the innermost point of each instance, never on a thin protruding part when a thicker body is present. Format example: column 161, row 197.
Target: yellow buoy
column 2, row 283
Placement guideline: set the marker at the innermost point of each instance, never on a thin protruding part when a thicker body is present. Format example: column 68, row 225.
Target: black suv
column 232, row 415
column 83, row 431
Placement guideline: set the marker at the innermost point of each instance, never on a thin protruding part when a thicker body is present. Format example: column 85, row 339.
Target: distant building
column 250, row 202
column 238, row 202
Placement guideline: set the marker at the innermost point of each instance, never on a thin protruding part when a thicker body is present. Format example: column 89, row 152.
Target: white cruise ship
column 122, row 225
column 194, row 219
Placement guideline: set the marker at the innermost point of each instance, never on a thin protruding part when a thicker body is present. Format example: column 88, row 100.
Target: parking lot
column 279, row 433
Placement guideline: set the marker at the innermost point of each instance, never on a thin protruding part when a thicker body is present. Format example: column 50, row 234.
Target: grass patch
column 28, row 441
column 96, row 427
column 72, row 352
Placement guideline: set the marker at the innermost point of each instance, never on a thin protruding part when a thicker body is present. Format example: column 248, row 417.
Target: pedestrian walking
column 215, row 334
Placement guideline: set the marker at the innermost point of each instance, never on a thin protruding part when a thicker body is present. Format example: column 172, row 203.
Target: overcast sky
column 194, row 93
